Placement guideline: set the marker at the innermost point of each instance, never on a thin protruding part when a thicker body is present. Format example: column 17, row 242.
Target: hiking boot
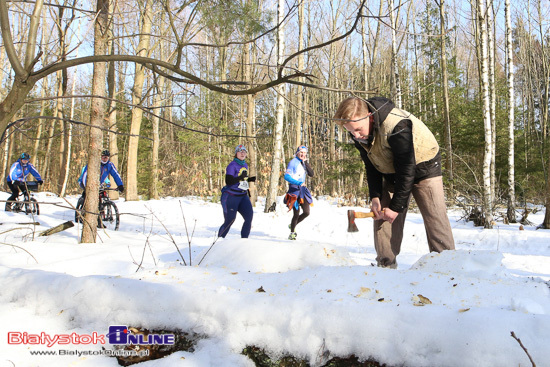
column 385, row 263
column 292, row 236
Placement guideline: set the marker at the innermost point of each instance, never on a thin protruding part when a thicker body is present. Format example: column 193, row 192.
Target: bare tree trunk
column 250, row 118
column 69, row 143
column 97, row 115
column 61, row 88
column 445, row 82
column 487, row 190
column 416, row 71
column 376, row 40
column 157, row 104
column 396, row 84
column 492, row 96
column 545, row 60
column 364, row 48
column 43, row 105
column 6, row 156
column 301, row 90
column 511, row 211
column 271, row 197
column 48, row 155
column 112, row 112
column 137, row 113
column 40, row 122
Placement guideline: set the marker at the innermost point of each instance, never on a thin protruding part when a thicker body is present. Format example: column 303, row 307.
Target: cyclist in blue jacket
column 107, row 168
column 17, row 178
column 298, row 195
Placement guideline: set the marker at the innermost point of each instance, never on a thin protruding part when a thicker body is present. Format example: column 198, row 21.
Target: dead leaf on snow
column 424, row 300
column 420, row 300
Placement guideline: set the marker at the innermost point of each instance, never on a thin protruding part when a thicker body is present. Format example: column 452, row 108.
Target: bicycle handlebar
column 106, row 188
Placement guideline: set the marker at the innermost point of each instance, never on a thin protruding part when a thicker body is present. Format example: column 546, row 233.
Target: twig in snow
column 187, row 233
column 524, row 349
column 9, row 244
column 147, row 244
column 171, row 238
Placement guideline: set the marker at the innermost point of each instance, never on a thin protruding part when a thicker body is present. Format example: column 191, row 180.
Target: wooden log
column 56, row 229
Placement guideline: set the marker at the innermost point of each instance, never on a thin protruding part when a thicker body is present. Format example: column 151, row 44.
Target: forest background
column 171, row 87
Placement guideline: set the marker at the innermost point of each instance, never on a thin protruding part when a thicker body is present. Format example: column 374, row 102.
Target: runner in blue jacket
column 18, row 177
column 298, row 194
column 235, row 196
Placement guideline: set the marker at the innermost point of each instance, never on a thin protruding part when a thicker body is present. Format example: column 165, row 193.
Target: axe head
column 352, row 227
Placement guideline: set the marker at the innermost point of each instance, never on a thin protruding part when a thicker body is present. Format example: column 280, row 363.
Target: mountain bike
column 109, row 217
column 25, row 201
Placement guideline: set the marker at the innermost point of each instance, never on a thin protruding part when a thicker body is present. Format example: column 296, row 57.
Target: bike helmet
column 25, row 156
column 106, row 153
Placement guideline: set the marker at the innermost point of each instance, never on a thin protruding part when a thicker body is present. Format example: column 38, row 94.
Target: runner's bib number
column 243, row 185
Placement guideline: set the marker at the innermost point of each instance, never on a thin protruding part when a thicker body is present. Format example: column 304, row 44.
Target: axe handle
column 364, row 214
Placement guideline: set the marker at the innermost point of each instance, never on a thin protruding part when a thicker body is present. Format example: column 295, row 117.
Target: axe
column 352, row 214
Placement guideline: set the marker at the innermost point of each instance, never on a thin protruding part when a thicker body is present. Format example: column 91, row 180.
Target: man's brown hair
column 349, row 107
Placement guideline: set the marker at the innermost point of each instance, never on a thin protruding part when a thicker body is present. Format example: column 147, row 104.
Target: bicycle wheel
column 78, row 212
column 110, row 219
column 31, row 207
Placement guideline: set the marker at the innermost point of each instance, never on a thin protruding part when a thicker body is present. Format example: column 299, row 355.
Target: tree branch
column 33, row 30
column 150, row 64
column 350, row 31
column 8, row 41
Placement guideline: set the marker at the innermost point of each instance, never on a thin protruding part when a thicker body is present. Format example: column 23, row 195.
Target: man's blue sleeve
column 34, row 172
column 113, row 172
column 13, row 172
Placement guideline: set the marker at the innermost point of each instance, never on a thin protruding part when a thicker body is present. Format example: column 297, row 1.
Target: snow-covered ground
column 322, row 295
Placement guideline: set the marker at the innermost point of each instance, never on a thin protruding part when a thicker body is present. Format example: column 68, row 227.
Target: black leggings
column 297, row 217
column 14, row 191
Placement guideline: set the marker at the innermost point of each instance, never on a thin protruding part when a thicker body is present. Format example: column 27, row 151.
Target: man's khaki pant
column 429, row 197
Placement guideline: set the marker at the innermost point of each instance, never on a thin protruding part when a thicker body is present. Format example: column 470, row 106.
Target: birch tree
column 486, row 101
column 271, row 197
column 511, row 211
column 492, row 95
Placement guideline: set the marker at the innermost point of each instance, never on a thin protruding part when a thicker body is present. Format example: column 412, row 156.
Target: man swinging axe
column 402, row 158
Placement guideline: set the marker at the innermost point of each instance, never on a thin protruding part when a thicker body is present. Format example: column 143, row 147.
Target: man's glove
column 120, row 188
column 252, row 179
column 243, row 175
column 40, row 182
